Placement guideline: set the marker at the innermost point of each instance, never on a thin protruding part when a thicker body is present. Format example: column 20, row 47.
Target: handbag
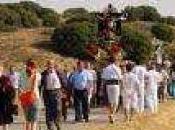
column 28, row 97
column 13, row 109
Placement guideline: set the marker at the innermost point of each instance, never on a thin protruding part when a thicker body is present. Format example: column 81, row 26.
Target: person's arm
column 21, row 81
column 137, row 82
column 120, row 74
column 42, row 82
column 38, row 80
column 124, row 83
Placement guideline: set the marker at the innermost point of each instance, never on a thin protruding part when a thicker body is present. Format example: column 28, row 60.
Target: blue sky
column 165, row 7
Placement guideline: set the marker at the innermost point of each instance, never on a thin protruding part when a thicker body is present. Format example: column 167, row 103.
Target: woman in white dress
column 130, row 92
column 151, row 89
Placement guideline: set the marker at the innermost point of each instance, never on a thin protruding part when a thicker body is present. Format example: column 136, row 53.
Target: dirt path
column 164, row 120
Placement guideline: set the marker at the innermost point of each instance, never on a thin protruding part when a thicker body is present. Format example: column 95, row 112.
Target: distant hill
column 17, row 47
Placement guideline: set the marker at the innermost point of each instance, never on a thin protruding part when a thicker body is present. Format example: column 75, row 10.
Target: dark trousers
column 52, row 101
column 65, row 107
column 81, row 104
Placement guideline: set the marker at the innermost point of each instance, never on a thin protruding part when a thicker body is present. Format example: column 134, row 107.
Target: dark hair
column 112, row 59
column 129, row 67
column 31, row 63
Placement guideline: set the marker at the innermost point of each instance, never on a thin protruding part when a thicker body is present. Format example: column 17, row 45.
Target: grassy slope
column 17, row 47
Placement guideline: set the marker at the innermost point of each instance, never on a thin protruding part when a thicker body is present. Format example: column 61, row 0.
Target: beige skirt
column 113, row 92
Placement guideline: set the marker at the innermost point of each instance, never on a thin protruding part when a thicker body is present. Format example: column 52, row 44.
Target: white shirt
column 111, row 72
column 130, row 83
column 53, row 81
column 165, row 74
column 173, row 75
column 92, row 77
column 140, row 71
column 14, row 78
column 151, row 79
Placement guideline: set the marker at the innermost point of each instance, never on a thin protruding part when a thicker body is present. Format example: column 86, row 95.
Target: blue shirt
column 80, row 80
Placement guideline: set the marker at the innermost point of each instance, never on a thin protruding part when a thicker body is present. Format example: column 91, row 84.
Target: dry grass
column 17, row 47
column 164, row 120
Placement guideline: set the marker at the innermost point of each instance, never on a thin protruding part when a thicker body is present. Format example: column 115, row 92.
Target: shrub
column 163, row 32
column 136, row 46
column 71, row 39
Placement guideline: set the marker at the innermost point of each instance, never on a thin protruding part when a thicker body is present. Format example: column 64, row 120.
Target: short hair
column 31, row 63
column 112, row 59
column 129, row 67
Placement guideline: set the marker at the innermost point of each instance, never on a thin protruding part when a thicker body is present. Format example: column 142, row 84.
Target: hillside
column 17, row 47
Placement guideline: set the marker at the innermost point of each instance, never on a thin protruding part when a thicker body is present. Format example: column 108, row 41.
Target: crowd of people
column 136, row 89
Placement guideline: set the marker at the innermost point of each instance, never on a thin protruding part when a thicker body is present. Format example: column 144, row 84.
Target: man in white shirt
column 52, row 96
column 112, row 76
column 14, row 77
column 140, row 71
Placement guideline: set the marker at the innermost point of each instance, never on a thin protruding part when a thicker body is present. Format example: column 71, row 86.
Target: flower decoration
column 92, row 49
column 114, row 49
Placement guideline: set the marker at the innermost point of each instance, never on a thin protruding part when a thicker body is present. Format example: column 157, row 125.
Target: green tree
column 49, row 17
column 136, row 46
column 31, row 6
column 142, row 13
column 77, row 15
column 9, row 18
column 28, row 18
column 71, row 12
column 163, row 32
column 168, row 20
column 170, row 51
column 71, row 39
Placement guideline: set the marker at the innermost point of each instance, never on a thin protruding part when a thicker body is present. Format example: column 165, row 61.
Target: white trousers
column 141, row 103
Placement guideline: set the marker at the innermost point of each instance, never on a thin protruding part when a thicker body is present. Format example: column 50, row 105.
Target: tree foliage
column 27, row 14
column 71, row 39
column 49, row 17
column 78, row 15
column 163, row 32
column 136, row 46
column 168, row 20
column 142, row 13
column 170, row 51
column 9, row 17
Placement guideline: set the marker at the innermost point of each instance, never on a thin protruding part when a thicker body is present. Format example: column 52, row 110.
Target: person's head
column 87, row 65
column 129, row 67
column 112, row 60
column 152, row 66
column 30, row 67
column 50, row 64
column 80, row 65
